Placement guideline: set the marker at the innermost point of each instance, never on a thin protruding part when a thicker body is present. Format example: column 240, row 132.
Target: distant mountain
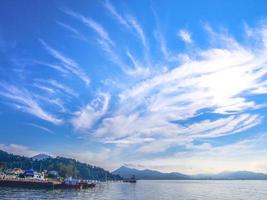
column 65, row 167
column 147, row 174
column 238, row 175
column 41, row 156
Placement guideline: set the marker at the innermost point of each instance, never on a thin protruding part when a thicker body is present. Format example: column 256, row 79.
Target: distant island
column 64, row 167
column 148, row 174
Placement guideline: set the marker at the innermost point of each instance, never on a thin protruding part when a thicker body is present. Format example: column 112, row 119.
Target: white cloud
column 102, row 33
column 185, row 36
column 157, row 135
column 22, row 100
column 168, row 55
column 136, row 26
column 86, row 117
column 220, row 80
column 62, row 87
column 17, row 149
column 103, row 157
column 76, row 33
column 109, row 46
column 40, row 127
column 57, row 67
column 132, row 25
column 115, row 14
column 67, row 63
column 55, row 94
column 138, row 69
column 128, row 22
column 44, row 88
column 247, row 154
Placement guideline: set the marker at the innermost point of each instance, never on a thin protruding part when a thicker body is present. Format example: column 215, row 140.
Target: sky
column 165, row 85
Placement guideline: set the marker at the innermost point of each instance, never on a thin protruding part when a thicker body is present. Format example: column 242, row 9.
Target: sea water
column 151, row 190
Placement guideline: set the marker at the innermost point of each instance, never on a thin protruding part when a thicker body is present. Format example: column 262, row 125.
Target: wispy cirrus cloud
column 138, row 68
column 67, row 63
column 159, row 135
column 133, row 26
column 138, row 29
column 185, row 36
column 168, row 55
column 64, row 88
column 103, row 39
column 22, row 99
column 76, row 33
column 40, row 127
column 58, row 67
column 115, row 14
column 85, row 118
column 217, row 80
column 128, row 22
column 182, row 136
column 109, row 46
column 44, row 88
column 101, row 32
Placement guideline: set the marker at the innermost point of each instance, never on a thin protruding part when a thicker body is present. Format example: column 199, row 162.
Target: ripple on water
column 154, row 190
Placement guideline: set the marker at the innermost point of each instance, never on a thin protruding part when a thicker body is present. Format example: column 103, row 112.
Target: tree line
column 65, row 167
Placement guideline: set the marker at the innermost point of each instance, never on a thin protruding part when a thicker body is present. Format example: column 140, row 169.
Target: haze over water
column 154, row 190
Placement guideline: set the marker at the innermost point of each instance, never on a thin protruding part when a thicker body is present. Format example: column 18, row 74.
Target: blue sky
column 166, row 85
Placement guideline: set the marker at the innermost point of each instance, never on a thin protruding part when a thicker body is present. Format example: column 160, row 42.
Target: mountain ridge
column 148, row 174
column 41, row 156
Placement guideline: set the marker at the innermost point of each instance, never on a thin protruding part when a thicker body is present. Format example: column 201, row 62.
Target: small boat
column 130, row 180
column 87, row 184
column 70, row 183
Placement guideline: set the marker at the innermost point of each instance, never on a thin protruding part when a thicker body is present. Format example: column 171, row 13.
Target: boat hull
column 28, row 184
column 34, row 184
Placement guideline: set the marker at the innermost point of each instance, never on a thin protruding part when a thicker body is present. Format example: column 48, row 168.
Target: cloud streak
column 115, row 14
column 136, row 26
column 185, row 36
column 76, row 33
column 67, row 63
column 101, row 32
column 21, row 99
column 40, row 127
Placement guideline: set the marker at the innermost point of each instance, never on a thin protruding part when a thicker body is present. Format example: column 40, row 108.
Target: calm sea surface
column 152, row 190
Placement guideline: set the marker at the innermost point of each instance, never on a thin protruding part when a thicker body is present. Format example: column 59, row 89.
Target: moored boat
column 71, row 183
column 45, row 184
column 130, row 180
column 28, row 183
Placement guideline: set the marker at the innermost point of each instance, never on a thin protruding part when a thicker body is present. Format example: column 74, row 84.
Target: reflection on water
column 151, row 190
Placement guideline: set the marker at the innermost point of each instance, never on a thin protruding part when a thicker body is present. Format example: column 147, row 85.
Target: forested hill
column 64, row 166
